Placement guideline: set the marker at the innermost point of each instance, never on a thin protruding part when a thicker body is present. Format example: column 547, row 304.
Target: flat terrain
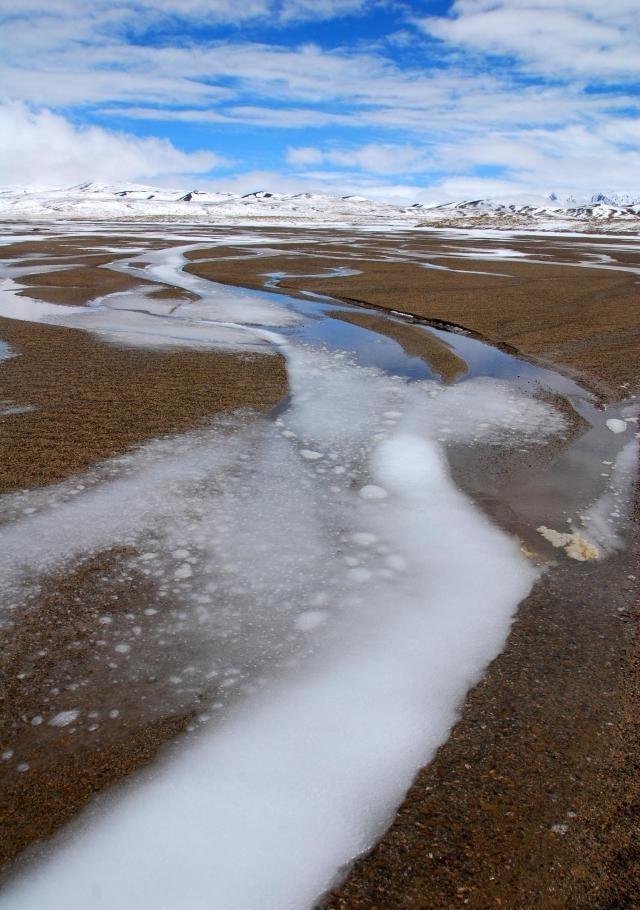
column 533, row 801
column 544, row 297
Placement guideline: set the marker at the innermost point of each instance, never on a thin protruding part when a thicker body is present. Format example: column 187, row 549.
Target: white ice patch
column 13, row 306
column 364, row 539
column 64, row 718
column 263, row 809
column 216, row 302
column 606, row 518
column 500, row 412
column 372, row 491
column 262, row 812
column 616, row 425
column 5, row 351
column 223, row 317
column 311, row 619
column 310, row 455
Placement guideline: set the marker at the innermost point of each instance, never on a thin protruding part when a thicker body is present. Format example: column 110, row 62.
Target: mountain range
column 135, row 202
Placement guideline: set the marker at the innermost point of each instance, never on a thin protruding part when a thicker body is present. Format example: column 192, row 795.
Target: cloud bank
column 336, row 95
column 46, row 147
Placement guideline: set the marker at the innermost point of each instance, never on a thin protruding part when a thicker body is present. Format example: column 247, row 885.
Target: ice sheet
column 377, row 613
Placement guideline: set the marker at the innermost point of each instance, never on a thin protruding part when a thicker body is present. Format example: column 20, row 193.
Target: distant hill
column 136, row 202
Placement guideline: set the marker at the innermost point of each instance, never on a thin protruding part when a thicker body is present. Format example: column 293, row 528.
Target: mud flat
column 531, row 800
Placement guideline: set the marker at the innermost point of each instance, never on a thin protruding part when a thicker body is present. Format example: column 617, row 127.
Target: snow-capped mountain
column 137, row 202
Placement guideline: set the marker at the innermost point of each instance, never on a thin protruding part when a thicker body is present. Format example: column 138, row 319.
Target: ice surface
column 221, row 303
column 600, row 529
column 575, row 544
column 12, row 306
column 606, row 518
column 372, row 491
column 365, row 661
column 222, row 316
column 334, row 592
column 5, row 351
column 616, row 425
column 64, row 718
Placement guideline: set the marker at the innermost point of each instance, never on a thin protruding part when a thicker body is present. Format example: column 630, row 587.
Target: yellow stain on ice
column 575, row 545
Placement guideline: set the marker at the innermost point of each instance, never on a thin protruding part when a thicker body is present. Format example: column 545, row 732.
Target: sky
column 429, row 100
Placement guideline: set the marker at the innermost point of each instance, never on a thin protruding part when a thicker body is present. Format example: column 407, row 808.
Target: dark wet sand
column 548, row 738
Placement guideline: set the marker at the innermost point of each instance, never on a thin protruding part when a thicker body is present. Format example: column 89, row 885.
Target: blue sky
column 425, row 100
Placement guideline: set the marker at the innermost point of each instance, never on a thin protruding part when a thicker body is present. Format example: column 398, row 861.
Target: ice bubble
column 310, row 620
column 359, row 575
column 615, row 425
column 64, row 718
column 371, row 491
column 364, row 539
column 310, row 455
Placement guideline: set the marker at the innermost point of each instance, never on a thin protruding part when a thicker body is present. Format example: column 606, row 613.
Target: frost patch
column 64, row 718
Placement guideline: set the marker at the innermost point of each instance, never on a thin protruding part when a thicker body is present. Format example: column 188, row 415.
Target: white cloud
column 267, row 85
column 41, row 145
column 254, row 115
column 373, row 158
column 591, row 38
column 453, row 114
column 577, row 159
column 89, row 64
column 319, row 9
column 304, row 156
column 136, row 15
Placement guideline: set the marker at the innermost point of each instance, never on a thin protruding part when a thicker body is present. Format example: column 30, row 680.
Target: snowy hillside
column 135, row 202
